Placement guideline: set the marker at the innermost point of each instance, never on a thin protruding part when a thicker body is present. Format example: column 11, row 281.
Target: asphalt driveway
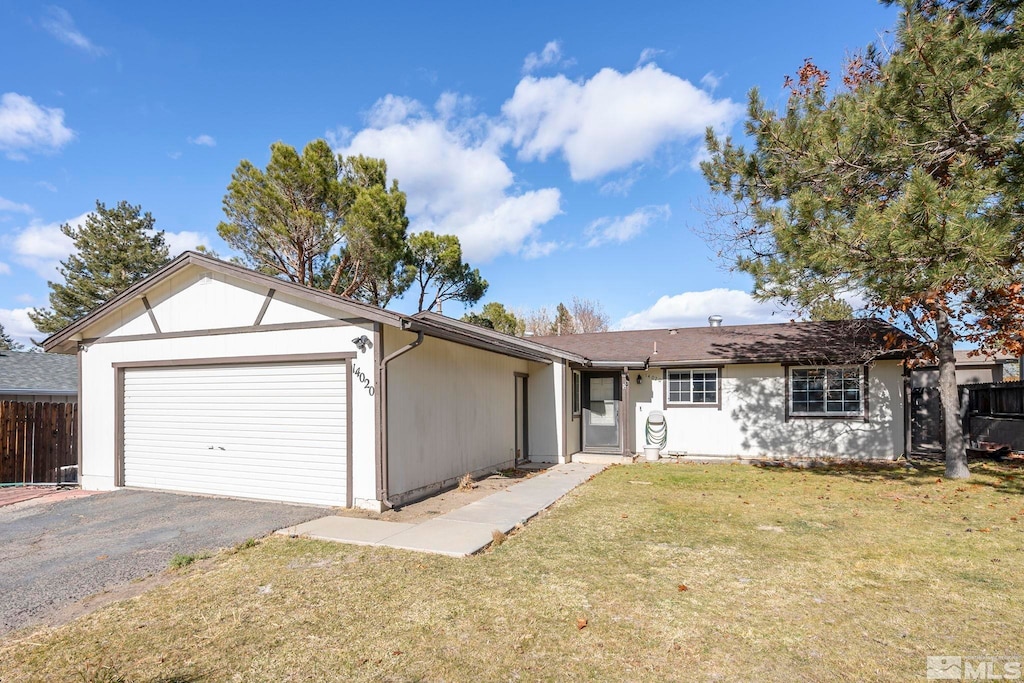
column 54, row 554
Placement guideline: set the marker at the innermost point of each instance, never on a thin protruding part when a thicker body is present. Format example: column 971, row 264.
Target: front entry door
column 602, row 404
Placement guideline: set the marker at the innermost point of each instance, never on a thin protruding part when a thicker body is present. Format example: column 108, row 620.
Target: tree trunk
column 956, row 449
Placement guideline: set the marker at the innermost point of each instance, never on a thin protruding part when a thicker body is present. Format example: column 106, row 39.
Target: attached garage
column 266, row 430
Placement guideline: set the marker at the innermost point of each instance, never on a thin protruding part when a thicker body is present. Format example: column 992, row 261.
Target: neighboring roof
column 27, row 372
column 843, row 341
column 965, row 359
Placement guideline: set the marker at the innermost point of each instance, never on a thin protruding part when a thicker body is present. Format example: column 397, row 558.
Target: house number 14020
column 358, row 374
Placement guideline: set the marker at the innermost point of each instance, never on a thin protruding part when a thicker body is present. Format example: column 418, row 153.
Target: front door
column 602, row 405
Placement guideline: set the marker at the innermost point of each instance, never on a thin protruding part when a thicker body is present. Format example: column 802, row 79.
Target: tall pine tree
column 903, row 185
column 7, row 342
column 114, row 249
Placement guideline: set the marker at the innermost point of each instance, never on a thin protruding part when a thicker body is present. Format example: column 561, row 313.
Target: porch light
column 362, row 342
column 639, row 379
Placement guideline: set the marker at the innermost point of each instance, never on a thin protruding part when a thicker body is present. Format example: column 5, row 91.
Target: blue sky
column 558, row 142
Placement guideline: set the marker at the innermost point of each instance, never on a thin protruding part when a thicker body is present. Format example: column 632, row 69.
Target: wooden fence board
column 36, row 440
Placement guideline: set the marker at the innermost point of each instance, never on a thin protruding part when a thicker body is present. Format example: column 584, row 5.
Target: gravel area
column 55, row 554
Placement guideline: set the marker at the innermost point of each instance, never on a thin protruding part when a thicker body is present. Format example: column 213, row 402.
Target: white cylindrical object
column 652, row 453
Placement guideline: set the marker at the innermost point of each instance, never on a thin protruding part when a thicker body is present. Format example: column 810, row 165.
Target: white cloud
column 4, row 269
column 17, row 324
column 47, row 185
column 550, row 55
column 59, row 24
column 539, row 249
column 611, row 121
column 24, row 298
column 203, row 141
column 648, row 54
column 41, row 246
column 454, row 175
column 711, row 80
column 174, row 156
column 27, row 127
column 691, row 309
column 624, row 228
column 186, row 240
column 7, row 206
column 392, row 109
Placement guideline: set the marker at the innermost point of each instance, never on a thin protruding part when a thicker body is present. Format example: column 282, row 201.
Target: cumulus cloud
column 621, row 229
column 186, row 240
column 41, row 246
column 27, row 127
column 17, row 324
column 454, row 175
column 59, row 24
column 691, row 309
column 7, row 206
column 203, row 140
column 549, row 56
column 612, row 120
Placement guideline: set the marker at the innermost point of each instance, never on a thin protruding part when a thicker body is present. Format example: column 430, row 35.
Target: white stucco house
column 210, row 378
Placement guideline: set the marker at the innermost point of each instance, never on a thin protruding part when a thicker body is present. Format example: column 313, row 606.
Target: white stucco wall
column 227, row 305
column 751, row 421
column 451, row 410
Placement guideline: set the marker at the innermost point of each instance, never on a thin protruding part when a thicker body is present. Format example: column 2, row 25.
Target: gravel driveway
column 54, row 554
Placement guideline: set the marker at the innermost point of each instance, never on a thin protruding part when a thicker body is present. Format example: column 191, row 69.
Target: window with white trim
column 826, row 391
column 697, row 386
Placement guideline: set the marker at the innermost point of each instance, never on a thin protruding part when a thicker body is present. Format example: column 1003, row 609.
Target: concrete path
column 461, row 532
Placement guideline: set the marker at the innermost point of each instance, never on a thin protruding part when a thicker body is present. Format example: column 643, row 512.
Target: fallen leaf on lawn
column 682, row 587
column 625, row 516
column 985, row 530
column 581, row 623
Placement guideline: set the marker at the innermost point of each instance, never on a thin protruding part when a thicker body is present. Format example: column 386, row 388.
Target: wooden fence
column 36, row 441
column 1003, row 399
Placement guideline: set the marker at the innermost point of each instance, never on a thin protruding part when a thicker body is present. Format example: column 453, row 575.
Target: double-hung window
column 692, row 387
column 826, row 391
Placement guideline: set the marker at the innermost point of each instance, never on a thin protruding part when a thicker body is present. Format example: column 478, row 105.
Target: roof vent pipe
column 715, row 320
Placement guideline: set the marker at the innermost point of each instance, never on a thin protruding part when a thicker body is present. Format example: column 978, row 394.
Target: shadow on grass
column 1002, row 477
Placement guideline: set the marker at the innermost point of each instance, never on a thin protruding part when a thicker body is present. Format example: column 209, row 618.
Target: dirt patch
column 451, row 499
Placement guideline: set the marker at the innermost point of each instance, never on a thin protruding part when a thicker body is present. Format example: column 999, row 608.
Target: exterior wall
column 98, row 375
column 751, row 421
column 451, row 410
column 546, row 408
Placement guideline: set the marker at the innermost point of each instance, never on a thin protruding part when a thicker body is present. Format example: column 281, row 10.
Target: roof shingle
column 38, row 373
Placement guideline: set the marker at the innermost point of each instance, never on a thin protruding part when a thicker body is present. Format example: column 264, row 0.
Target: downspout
column 382, row 388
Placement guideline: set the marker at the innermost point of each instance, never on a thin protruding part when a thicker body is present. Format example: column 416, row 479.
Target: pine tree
column 7, row 342
column 904, row 185
column 114, row 249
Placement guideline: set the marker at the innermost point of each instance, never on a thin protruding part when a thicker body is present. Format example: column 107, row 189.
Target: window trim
column 577, row 393
column 861, row 415
column 717, row 369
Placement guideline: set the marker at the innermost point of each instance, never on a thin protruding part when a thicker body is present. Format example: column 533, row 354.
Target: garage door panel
column 273, row 431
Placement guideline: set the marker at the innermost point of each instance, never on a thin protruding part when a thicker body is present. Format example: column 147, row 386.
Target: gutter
column 382, row 392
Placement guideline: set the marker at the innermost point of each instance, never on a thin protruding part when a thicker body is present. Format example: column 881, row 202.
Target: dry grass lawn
column 681, row 572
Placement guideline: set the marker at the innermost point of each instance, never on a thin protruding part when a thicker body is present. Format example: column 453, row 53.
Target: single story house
column 27, row 376
column 211, row 378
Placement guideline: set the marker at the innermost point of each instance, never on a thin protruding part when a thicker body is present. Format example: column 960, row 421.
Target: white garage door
column 271, row 431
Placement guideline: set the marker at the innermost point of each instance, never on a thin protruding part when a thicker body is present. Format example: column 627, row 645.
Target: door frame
column 622, row 391
column 524, row 448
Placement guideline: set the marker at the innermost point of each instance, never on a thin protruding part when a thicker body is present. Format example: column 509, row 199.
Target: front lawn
column 680, row 572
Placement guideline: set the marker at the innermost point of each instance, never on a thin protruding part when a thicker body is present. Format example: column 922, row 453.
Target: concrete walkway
column 461, row 532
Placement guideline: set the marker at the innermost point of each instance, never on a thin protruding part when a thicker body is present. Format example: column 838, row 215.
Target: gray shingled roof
column 837, row 341
column 38, row 373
